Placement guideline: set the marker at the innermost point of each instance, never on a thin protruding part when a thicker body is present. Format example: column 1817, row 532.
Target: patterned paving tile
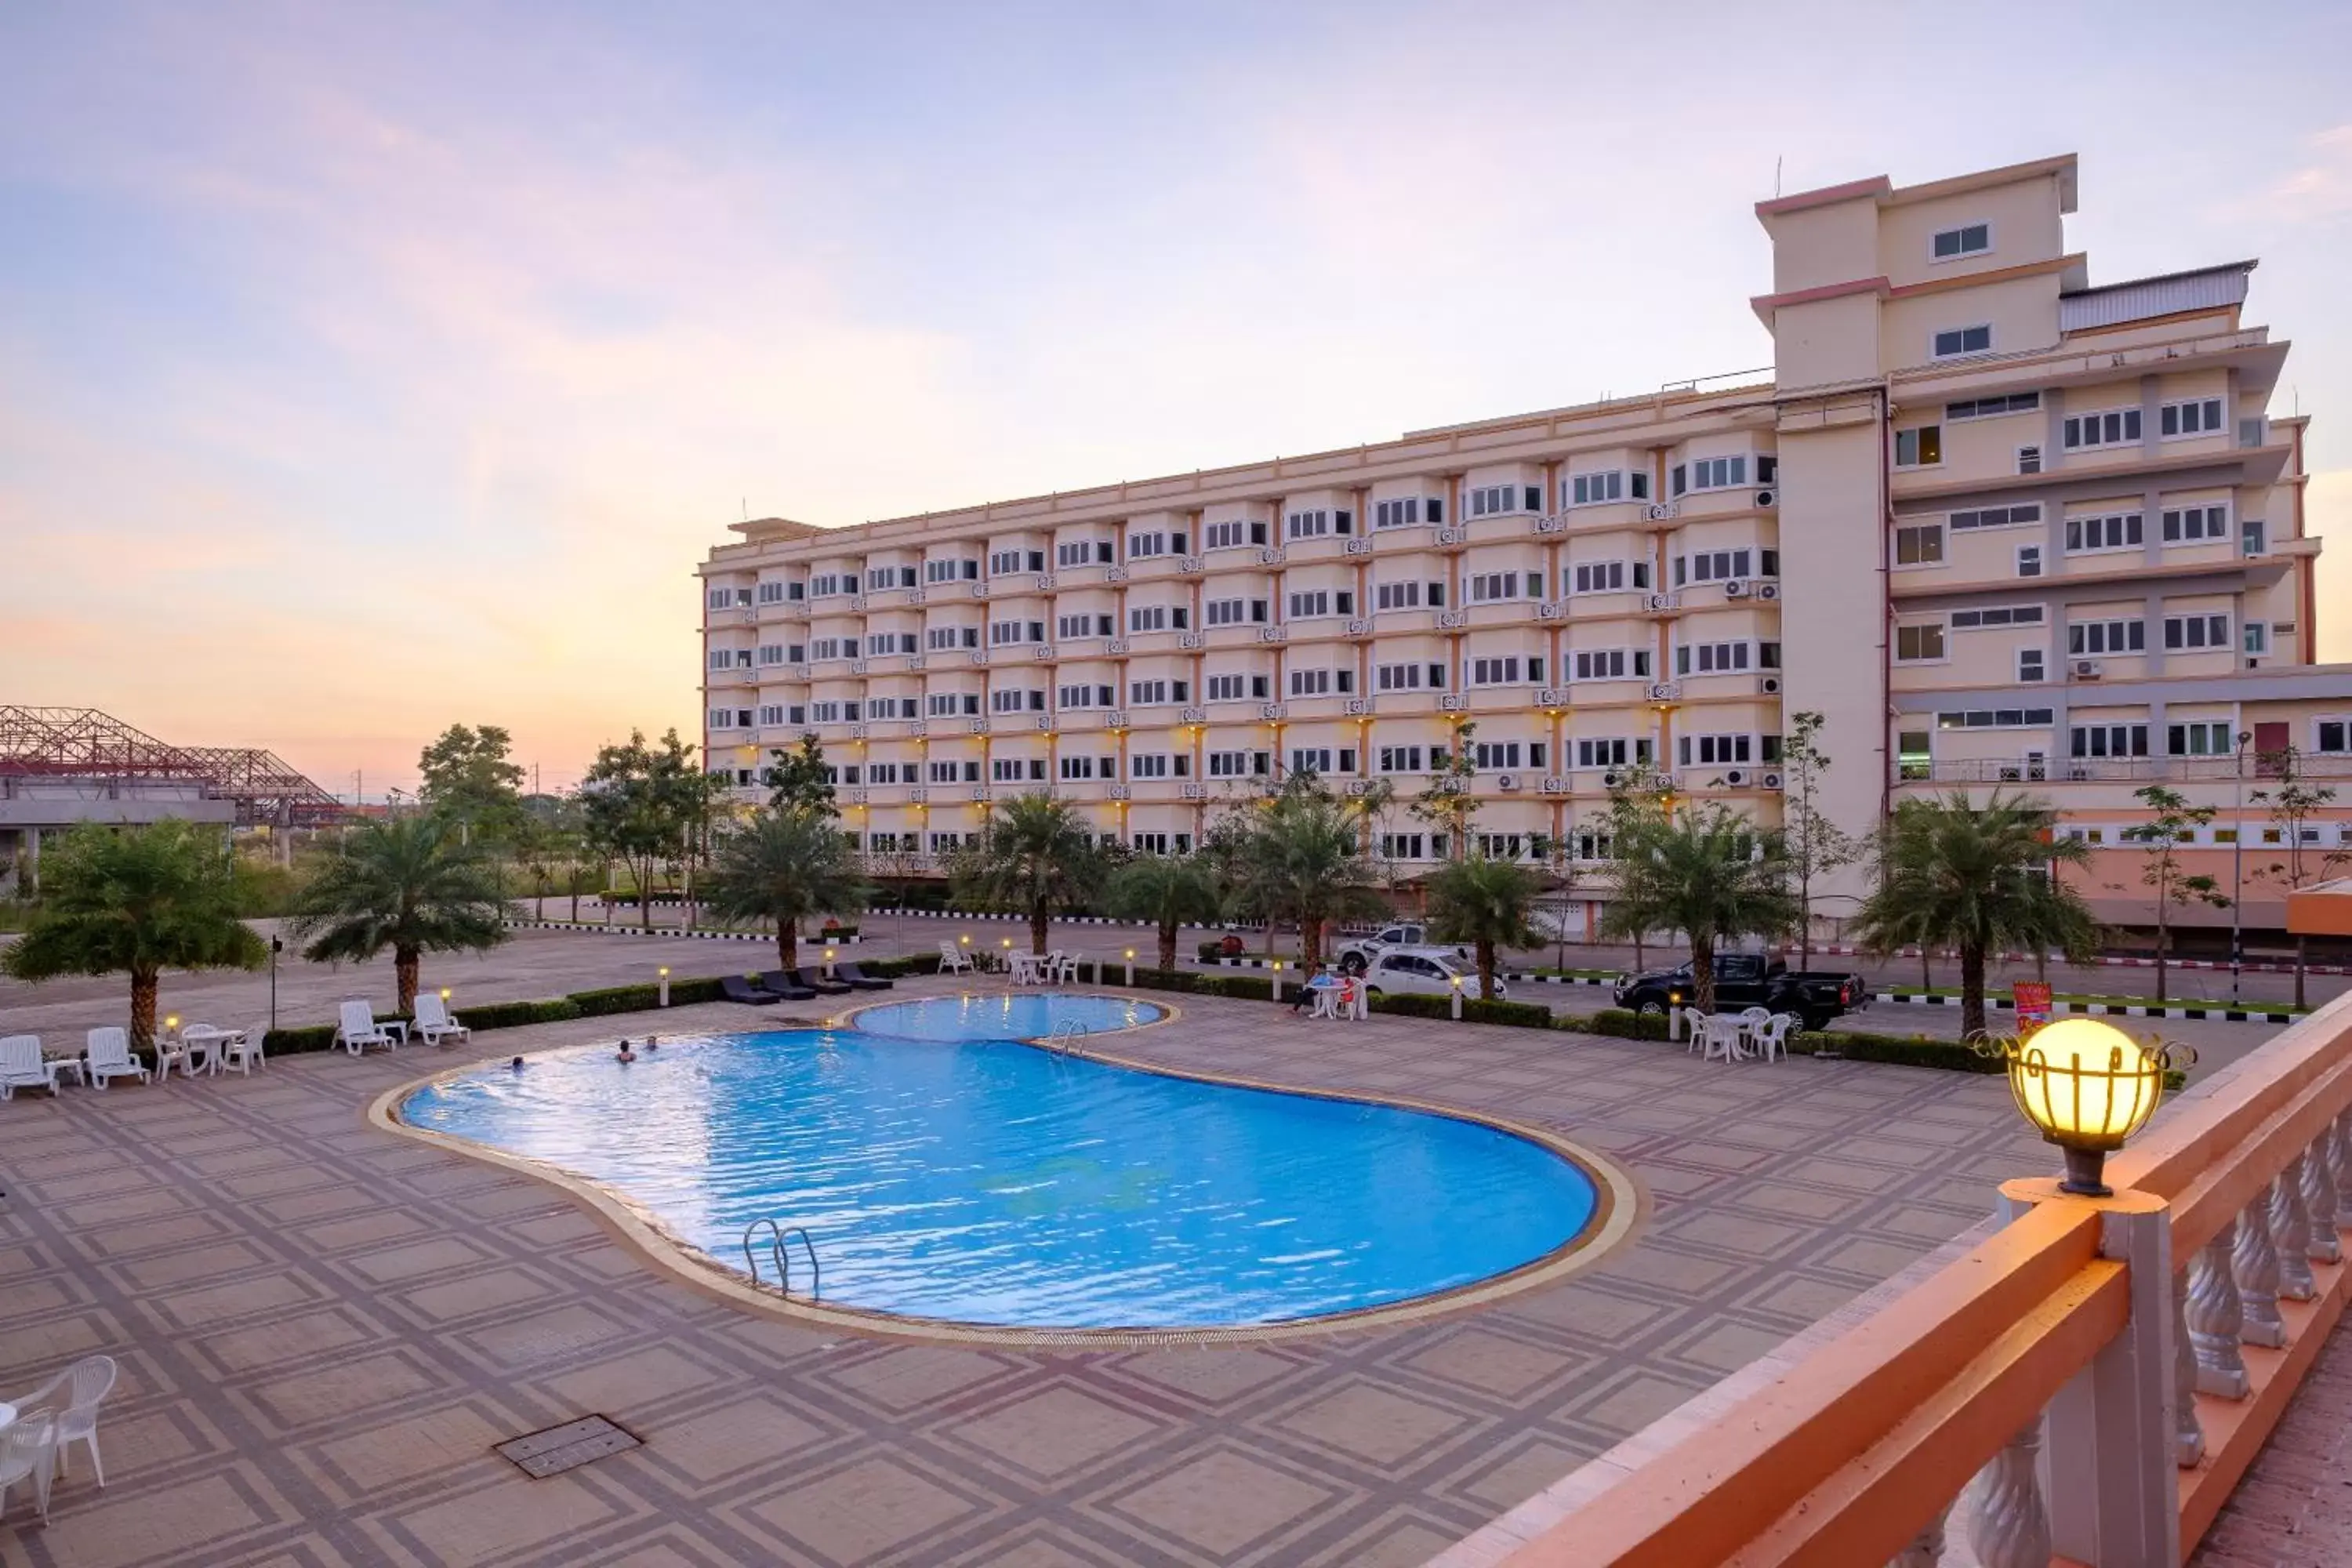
column 324, row 1330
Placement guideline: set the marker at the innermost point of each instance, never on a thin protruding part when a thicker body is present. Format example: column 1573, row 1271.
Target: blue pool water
column 987, row 1181
column 1017, row 1016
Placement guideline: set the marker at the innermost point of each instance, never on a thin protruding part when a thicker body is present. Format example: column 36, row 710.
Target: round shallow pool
column 1016, row 1015
column 987, row 1181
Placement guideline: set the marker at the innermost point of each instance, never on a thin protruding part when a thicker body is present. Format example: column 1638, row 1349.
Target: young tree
column 135, row 902
column 1817, row 845
column 1167, row 891
column 784, row 866
column 469, row 780
column 1485, row 903
column 797, row 780
column 1975, row 878
column 2172, row 819
column 410, row 884
column 2290, row 803
column 1639, row 800
column 1709, row 873
column 1034, row 853
column 1305, row 862
column 1448, row 803
column 639, row 804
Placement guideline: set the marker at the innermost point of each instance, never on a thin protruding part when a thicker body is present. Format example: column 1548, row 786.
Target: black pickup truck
column 1746, row 980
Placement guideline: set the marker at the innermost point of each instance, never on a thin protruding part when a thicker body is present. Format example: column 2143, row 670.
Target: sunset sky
column 369, row 367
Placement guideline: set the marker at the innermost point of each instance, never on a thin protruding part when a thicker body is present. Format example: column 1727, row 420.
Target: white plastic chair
column 29, row 1452
column 955, row 960
column 1772, row 1035
column 1722, row 1032
column 1694, row 1027
column 110, row 1056
column 1063, row 966
column 197, row 1049
column 21, row 1066
column 360, row 1030
column 84, row 1384
column 435, row 1023
column 243, row 1050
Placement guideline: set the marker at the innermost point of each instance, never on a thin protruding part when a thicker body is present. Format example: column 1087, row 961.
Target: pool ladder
column 1070, row 1035
column 776, row 1250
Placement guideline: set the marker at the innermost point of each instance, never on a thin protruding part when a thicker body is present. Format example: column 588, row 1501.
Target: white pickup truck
column 1423, row 971
column 1354, row 957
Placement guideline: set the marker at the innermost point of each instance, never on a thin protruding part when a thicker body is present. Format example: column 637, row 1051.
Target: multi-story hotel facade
column 2000, row 528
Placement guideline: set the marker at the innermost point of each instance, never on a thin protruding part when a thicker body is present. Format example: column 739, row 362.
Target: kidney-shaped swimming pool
column 986, row 1181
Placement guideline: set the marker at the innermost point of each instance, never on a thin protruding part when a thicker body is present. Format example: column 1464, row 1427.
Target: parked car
column 1355, row 956
column 1749, row 980
column 1423, row 972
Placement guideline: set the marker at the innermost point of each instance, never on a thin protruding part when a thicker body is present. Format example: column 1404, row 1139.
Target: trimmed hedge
column 1513, row 1014
column 1622, row 1023
column 1902, row 1050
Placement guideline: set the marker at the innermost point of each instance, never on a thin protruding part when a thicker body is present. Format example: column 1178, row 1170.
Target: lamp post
column 1457, row 998
column 2237, row 875
column 665, row 985
column 2087, row 1086
column 828, row 963
column 1130, row 966
column 1277, row 980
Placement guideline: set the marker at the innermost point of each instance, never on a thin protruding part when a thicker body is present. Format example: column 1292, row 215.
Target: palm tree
column 1167, row 891
column 1976, row 877
column 1709, row 873
column 1306, row 863
column 408, row 884
column 1485, row 903
column 135, row 902
column 784, row 865
column 1037, row 852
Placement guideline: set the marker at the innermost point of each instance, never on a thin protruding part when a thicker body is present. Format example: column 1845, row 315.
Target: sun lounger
column 851, row 975
column 819, row 984
column 435, row 1022
column 782, row 985
column 21, row 1066
column 736, row 989
column 108, row 1055
column 359, row 1030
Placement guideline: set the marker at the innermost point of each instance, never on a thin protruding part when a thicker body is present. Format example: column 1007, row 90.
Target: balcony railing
column 2114, row 770
column 2105, row 1369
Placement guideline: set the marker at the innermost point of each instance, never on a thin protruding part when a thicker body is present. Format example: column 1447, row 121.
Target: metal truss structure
column 84, row 743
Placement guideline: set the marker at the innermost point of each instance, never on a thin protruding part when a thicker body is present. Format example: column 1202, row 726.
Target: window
column 1002, row 632
column 2188, row 525
column 1711, row 657
column 2029, row 460
column 2332, row 736
column 1090, row 767
column 1492, row 500
column 1226, row 687
column 1610, row 663
column 1995, row 517
column 2028, row 561
column 1228, row 765
column 2107, row 637
column 723, row 718
column 1085, row 696
column 1920, row 643
column 1226, row 611
column 884, row 577
column 1320, row 759
column 2031, row 665
column 2115, row 531
column 832, row 648
column 2253, row 536
column 1406, row 511
column 1990, row 719
column 1968, row 240
column 1490, row 587
column 2258, row 637
column 1503, row 671
column 1013, row 701
column 719, row 598
column 2108, row 740
column 1071, row 627
column 2198, row 416
column 828, row 584
column 1017, row 770
column 1992, row 407
column 950, row 571
column 1595, row 489
column 1608, row 752
column 1084, row 553
column 1320, row 523
column 1711, row 474
column 1919, row 447
column 1403, row 847
column 1396, row 596
column 1400, row 760
column 2111, row 427
column 2188, row 632
column 1713, row 751
column 1409, row 677
column 1609, row 576
column 1721, row 565
column 1919, row 545
column 892, row 642
column 1142, row 546
column 2203, row 738
column 771, row 593
column 1999, row 615
column 943, row 637
column 771, row 653
column 772, row 713
column 1307, row 604
column 952, row 704
column 1913, row 760
column 1159, row 618
column 1158, row 693
column 1234, row 535
column 1317, row 683
column 1509, row 754
column 1953, row 342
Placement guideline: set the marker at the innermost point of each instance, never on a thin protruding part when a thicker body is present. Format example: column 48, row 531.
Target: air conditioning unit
column 1193, row 716
column 857, row 601
column 1662, row 511
column 980, row 590
column 1191, row 564
column 1447, row 536
column 1191, row 791
column 1552, row 697
column 1665, row 690
column 1452, row 620
column 1274, row 711
column 1735, row 777
column 1611, row 779
column 977, row 726
column 1115, row 574
column 2087, row 670
column 1451, row 704
column 1735, row 588
column 1766, row 497
column 857, row 667
column 1555, row 786
column 1360, row 547
column 1770, row 780
column 1549, row 610
column 1115, row 645
column 1506, row 781
column 1550, row 523
column 1044, row 582
column 1662, row 601
column 980, row 792
column 1042, row 650
column 1358, row 706
column 1115, row 720
column 1269, row 555
column 1770, row 686
column 919, row 795
column 1187, row 639
column 1122, row 791
column 1359, row 786
column 1767, row 590
column 916, row 661
column 1043, row 723
column 1273, row 634
column 1361, row 627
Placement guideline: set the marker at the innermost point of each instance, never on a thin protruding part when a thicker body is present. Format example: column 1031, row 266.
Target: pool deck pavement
column 324, row 1327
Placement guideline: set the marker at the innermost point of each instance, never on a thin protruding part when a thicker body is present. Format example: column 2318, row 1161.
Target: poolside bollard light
column 1457, row 998
column 828, row 963
column 1277, row 980
column 171, row 1026
column 665, row 985
column 2087, row 1086
column 1130, row 967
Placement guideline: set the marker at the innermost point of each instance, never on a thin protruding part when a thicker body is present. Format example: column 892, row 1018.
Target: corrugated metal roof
column 2206, row 288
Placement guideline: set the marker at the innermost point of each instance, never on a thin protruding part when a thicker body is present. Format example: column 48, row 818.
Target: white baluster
column 2010, row 1526
column 1927, row 1547
column 2291, row 1234
column 2320, row 1204
column 2254, row 1263
column 2215, row 1317
column 2342, row 1141
column 2188, row 1436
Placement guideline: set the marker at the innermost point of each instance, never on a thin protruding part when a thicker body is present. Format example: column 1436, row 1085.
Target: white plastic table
column 7, row 1414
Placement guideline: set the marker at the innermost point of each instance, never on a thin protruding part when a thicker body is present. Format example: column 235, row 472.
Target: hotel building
column 1998, row 526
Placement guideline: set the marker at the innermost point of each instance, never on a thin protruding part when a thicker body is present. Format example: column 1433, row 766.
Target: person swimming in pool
column 624, row 1055
column 515, row 1064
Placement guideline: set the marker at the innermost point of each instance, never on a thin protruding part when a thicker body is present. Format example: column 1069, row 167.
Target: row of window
column 1922, row 445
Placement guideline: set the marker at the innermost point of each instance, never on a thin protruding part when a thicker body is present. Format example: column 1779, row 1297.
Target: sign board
column 2032, row 997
